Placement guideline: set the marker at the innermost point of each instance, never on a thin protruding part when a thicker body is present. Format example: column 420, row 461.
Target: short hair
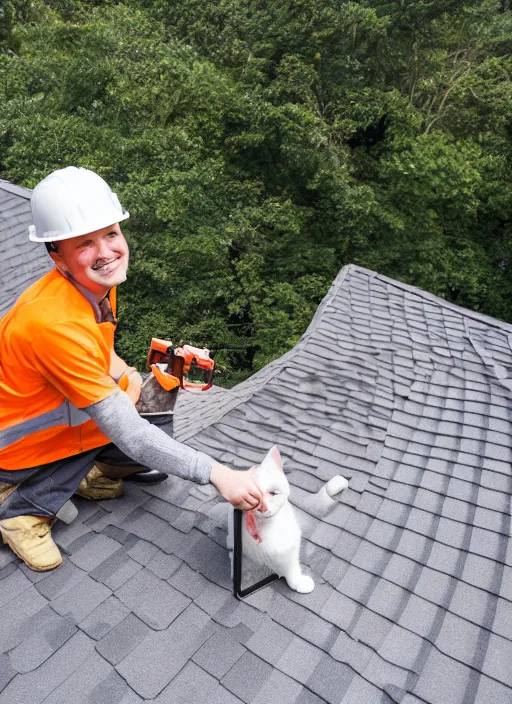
column 51, row 247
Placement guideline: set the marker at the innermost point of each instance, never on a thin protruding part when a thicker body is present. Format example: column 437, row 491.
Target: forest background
column 261, row 145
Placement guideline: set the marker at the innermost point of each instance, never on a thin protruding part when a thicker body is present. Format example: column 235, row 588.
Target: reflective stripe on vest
column 65, row 414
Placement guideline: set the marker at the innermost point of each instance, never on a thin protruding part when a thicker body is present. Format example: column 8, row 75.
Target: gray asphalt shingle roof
column 408, row 397
column 22, row 261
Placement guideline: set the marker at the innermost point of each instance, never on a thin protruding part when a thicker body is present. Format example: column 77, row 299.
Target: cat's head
column 273, row 482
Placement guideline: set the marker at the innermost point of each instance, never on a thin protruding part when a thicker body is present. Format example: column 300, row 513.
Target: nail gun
column 186, row 367
column 190, row 367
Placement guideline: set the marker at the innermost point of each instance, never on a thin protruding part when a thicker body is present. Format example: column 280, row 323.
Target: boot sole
column 46, row 568
column 98, row 495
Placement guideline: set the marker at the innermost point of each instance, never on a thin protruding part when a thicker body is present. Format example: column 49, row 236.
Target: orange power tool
column 187, row 366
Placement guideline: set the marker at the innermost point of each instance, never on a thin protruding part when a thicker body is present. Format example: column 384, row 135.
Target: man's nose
column 104, row 250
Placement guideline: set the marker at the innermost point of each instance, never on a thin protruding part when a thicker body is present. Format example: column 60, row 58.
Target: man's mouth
column 105, row 266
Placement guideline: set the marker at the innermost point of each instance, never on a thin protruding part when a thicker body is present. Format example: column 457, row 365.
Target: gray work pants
column 44, row 489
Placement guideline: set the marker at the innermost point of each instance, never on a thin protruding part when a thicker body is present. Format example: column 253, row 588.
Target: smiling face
column 97, row 261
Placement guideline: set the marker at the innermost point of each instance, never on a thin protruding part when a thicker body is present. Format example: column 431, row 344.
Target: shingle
column 444, row 558
column 177, row 543
column 299, row 659
column 488, row 544
column 31, row 612
column 212, row 598
column 95, row 551
column 154, row 663
column 222, row 696
column 388, row 599
column 270, row 641
column 41, row 644
column 80, row 685
column 351, row 651
column 152, row 599
column 369, row 557
column 164, row 565
column 361, row 690
column 36, row 685
column 480, row 572
column 66, row 534
column 247, row 677
column 79, row 601
column 188, row 581
column 7, row 672
column 330, row 680
column 452, row 533
column 61, row 580
column 402, row 648
column 491, row 691
column 443, row 680
column 497, row 659
column 12, row 584
column 278, row 688
column 307, row 697
column 235, row 612
column 220, row 652
column 370, row 628
column 192, row 685
column 122, row 639
column 461, row 640
column 116, row 570
column 113, row 690
column 314, row 601
column 142, row 552
column 491, row 519
column 104, row 618
column 339, row 610
column 144, row 525
column 419, row 616
column 413, row 545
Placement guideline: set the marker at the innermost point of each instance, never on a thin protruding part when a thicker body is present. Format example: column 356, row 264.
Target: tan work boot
column 30, row 538
column 96, row 485
column 6, row 490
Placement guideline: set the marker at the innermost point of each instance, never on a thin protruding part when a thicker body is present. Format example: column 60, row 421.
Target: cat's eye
column 273, row 493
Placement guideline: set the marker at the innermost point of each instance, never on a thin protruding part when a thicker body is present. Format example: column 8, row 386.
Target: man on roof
column 68, row 422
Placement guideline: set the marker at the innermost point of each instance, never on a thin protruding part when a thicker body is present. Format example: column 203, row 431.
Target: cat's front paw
column 303, row 585
column 336, row 485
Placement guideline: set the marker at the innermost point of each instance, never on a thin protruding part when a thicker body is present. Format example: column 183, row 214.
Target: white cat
column 272, row 538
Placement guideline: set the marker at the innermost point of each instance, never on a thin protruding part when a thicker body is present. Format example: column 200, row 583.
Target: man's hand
column 238, row 487
column 134, row 384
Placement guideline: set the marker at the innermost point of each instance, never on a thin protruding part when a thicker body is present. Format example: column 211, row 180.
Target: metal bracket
column 238, row 592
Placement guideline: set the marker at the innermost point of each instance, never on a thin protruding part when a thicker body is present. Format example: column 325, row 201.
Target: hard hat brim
column 56, row 237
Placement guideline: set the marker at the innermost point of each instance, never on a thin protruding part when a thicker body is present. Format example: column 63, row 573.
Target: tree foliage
column 260, row 146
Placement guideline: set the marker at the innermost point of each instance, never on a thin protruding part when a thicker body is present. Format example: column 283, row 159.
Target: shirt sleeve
column 75, row 360
column 118, row 419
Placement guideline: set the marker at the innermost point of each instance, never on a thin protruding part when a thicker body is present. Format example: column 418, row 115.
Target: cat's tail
column 324, row 500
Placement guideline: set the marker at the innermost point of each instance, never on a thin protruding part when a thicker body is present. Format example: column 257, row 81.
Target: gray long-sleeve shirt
column 118, row 419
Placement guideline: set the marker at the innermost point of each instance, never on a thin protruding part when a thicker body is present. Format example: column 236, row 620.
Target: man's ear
column 57, row 260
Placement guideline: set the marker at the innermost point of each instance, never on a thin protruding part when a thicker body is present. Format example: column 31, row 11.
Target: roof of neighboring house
column 399, row 391
column 21, row 261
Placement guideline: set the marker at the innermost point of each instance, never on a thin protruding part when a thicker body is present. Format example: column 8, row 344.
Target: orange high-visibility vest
column 54, row 361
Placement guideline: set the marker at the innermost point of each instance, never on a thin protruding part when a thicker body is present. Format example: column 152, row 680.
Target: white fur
column 278, row 528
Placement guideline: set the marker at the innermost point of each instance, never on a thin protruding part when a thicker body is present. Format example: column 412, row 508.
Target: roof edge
column 14, row 189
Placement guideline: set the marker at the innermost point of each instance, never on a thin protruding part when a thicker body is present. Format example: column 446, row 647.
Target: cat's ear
column 273, row 459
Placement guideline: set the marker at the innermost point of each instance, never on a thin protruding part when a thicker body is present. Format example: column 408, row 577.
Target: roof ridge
column 466, row 312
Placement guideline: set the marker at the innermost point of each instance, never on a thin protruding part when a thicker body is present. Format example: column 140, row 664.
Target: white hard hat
column 71, row 202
